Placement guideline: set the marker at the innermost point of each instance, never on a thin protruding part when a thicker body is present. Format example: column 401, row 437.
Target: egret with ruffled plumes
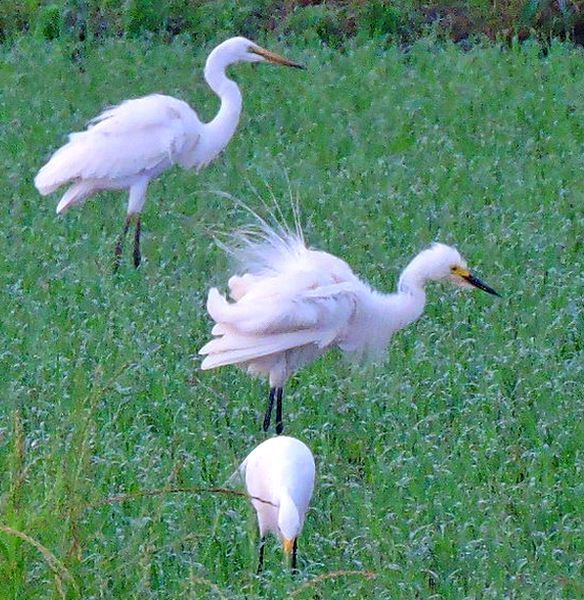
column 291, row 304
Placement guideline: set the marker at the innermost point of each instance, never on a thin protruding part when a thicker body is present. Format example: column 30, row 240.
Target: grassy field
column 452, row 470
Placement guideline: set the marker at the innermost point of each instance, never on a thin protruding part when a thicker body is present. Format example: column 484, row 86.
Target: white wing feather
column 136, row 137
column 289, row 297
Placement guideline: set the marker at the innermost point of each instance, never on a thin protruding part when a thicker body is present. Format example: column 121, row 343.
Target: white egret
column 280, row 471
column 291, row 304
column 128, row 145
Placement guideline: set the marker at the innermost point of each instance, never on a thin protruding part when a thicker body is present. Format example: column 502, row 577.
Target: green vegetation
column 452, row 470
column 331, row 22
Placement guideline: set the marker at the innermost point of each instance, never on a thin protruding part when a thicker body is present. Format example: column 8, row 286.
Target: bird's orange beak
column 274, row 58
column 288, row 546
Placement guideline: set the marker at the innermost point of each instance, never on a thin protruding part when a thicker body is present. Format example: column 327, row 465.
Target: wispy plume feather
column 265, row 243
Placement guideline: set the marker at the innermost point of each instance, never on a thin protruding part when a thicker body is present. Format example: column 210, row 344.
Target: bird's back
column 280, row 465
column 138, row 137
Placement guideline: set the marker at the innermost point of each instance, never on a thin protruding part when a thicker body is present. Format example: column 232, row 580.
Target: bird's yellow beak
column 288, row 546
column 468, row 276
column 274, row 58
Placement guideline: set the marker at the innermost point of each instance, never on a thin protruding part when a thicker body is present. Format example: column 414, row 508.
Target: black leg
column 295, row 556
column 279, row 424
column 268, row 415
column 137, row 255
column 120, row 243
column 261, row 557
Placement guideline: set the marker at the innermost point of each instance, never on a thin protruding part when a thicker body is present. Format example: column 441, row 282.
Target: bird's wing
column 289, row 296
column 133, row 138
column 306, row 294
column 254, row 327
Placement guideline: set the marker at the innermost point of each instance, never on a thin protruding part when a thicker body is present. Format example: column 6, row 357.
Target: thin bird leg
column 268, row 415
column 261, row 557
column 279, row 423
column 295, row 556
column 120, row 243
column 137, row 255
column 136, row 199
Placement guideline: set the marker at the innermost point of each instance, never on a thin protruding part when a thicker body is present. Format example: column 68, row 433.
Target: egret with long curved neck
column 291, row 304
column 130, row 144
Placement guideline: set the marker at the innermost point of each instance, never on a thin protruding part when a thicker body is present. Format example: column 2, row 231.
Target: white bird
column 291, row 304
column 128, row 145
column 279, row 476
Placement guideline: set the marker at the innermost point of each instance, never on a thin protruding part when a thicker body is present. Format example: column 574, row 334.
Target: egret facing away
column 291, row 304
column 280, row 471
column 128, row 145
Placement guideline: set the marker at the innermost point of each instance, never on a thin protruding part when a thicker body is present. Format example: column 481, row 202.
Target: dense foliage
column 331, row 22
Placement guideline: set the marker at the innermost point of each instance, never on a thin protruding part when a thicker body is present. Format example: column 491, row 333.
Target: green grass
column 452, row 470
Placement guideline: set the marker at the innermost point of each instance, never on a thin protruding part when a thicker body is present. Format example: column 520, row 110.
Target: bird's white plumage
column 281, row 472
column 128, row 145
column 291, row 304
column 293, row 298
column 140, row 138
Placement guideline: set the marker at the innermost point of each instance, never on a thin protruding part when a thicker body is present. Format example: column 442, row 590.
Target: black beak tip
column 482, row 286
column 490, row 290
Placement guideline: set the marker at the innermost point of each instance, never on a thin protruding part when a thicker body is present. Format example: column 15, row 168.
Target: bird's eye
column 459, row 271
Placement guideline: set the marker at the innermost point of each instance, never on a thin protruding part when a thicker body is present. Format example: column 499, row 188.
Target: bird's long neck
column 223, row 126
column 289, row 519
column 411, row 295
column 384, row 314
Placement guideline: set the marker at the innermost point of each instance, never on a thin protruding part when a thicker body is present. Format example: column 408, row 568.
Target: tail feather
column 234, row 349
column 47, row 180
column 62, row 167
column 240, row 285
column 76, row 194
column 242, row 317
column 217, row 305
column 69, row 162
column 222, row 329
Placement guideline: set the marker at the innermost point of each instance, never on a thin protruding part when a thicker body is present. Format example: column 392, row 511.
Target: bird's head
column 440, row 261
column 289, row 523
column 240, row 49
